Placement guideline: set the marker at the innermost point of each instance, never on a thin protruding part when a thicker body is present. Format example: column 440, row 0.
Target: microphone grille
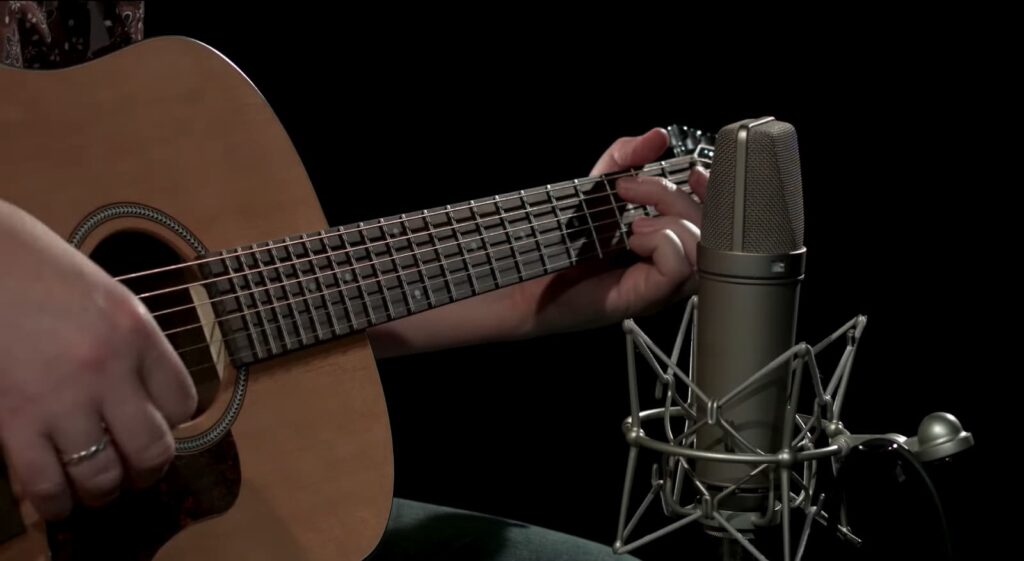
column 773, row 210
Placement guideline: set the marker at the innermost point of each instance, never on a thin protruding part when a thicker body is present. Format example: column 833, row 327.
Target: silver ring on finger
column 89, row 452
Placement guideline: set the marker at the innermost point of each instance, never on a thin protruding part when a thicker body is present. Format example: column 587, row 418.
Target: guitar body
column 166, row 144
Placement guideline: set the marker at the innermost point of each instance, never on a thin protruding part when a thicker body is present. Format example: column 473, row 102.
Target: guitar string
column 394, row 257
column 633, row 172
column 320, row 336
column 420, row 270
column 475, row 222
column 291, row 299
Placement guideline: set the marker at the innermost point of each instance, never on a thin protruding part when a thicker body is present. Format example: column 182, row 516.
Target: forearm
column 502, row 314
column 553, row 303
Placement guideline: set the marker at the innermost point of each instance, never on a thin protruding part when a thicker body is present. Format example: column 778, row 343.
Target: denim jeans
column 420, row 531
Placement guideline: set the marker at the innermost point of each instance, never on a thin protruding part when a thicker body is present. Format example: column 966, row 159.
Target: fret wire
column 241, row 306
column 589, row 221
column 282, row 267
column 418, row 266
column 567, row 263
column 532, row 222
column 440, row 256
column 259, row 309
column 377, row 277
column 196, row 262
column 319, row 286
column 485, row 244
column 361, row 284
column 322, row 281
column 275, row 303
column 487, row 247
column 309, row 301
column 356, row 265
column 462, row 249
column 374, row 263
column 689, row 160
column 559, row 223
column 615, row 206
column 507, row 227
column 406, row 294
column 535, row 234
column 350, row 309
column 270, row 297
column 417, row 262
column 361, row 237
column 311, row 296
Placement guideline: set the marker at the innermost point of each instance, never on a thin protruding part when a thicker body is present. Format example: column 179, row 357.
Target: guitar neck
column 287, row 294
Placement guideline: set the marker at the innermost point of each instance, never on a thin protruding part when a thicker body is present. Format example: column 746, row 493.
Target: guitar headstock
column 687, row 141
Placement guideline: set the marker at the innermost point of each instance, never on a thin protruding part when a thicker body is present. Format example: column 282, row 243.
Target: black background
column 391, row 113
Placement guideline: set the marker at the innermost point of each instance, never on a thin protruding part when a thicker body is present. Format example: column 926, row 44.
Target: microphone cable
column 881, row 446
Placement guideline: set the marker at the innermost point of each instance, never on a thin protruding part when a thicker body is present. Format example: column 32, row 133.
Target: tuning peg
column 686, row 140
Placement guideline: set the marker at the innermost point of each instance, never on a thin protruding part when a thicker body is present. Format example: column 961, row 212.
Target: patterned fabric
column 58, row 34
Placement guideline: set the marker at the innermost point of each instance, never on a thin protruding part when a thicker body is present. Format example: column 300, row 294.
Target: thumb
column 632, row 151
column 699, row 182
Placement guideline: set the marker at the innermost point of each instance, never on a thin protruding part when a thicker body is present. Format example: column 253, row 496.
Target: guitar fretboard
column 288, row 294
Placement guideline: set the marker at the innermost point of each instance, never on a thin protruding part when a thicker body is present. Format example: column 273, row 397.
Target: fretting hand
column 587, row 295
column 592, row 295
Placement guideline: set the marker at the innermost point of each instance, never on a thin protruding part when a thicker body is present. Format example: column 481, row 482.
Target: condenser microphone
column 736, row 453
column 750, row 262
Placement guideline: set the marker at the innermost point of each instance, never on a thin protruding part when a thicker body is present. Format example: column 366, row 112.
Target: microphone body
column 751, row 263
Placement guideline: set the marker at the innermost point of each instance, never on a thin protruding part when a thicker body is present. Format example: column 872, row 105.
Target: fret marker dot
column 395, row 231
column 348, row 277
column 417, row 294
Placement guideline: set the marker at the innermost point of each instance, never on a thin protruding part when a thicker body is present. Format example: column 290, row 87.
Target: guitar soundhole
column 176, row 311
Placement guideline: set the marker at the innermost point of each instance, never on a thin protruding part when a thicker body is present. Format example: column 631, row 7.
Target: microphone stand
column 731, row 550
column 811, row 442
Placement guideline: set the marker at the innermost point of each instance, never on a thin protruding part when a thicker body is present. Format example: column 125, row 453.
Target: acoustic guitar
column 165, row 165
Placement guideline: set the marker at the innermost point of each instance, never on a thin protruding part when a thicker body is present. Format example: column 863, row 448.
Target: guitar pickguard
column 137, row 524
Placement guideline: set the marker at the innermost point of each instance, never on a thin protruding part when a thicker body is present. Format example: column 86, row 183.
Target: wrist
column 521, row 307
